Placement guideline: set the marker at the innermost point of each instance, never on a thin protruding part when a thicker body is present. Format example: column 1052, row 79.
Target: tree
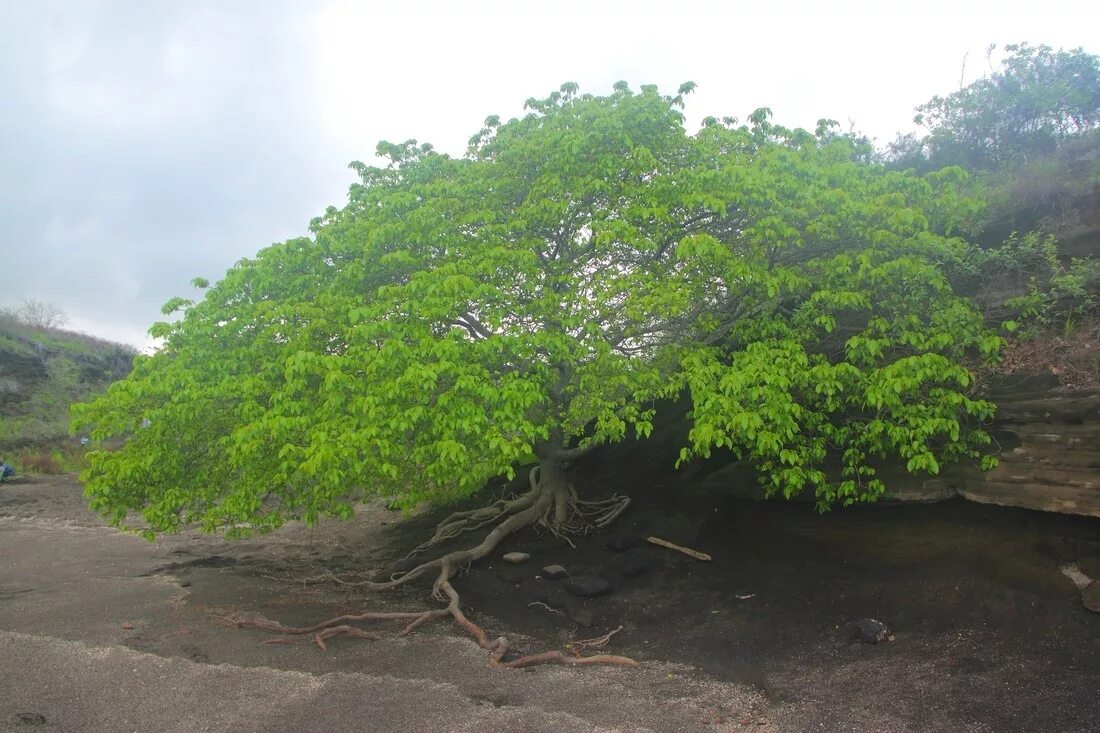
column 36, row 314
column 535, row 299
column 1031, row 104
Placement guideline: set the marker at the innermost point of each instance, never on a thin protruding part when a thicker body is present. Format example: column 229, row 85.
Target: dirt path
column 103, row 631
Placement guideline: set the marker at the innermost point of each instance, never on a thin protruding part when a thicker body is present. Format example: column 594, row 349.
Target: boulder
column 515, row 557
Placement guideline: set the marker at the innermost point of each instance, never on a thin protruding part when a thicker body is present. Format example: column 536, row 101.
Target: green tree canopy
column 537, row 297
column 1036, row 99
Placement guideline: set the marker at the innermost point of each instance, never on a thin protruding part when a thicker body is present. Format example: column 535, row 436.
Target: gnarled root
column 551, row 502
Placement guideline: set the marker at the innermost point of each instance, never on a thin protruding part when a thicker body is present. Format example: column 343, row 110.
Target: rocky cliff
column 1049, row 442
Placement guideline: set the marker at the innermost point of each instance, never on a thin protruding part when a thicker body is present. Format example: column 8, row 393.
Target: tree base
column 550, row 502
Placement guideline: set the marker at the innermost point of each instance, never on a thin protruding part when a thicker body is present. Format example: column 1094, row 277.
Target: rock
column 1090, row 597
column 554, row 572
column 871, row 631
column 586, row 586
column 1078, row 578
column 515, row 557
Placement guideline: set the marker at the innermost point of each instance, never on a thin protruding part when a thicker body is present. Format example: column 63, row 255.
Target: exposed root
column 460, row 523
column 596, row 643
column 599, row 514
column 551, row 503
column 549, row 608
column 498, row 647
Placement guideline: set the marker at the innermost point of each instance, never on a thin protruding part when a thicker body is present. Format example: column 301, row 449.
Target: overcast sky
column 144, row 143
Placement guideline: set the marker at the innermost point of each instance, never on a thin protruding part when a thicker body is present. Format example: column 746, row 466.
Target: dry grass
column 49, row 461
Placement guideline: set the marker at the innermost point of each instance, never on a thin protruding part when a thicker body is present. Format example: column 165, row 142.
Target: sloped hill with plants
column 44, row 370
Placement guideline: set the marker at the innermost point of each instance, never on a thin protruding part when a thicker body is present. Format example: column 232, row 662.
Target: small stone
column 515, row 557
column 554, row 572
column 871, row 631
column 586, row 586
column 1090, row 597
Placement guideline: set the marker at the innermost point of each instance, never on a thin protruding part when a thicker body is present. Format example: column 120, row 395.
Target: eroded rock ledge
column 1049, row 453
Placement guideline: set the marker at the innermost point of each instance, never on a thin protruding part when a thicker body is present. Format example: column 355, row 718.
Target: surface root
column 542, row 505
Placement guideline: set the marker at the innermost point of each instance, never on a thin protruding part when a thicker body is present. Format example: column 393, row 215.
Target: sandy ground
column 98, row 631
column 105, row 631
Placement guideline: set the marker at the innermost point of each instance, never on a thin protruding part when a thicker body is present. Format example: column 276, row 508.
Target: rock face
column 1049, row 459
column 1049, row 439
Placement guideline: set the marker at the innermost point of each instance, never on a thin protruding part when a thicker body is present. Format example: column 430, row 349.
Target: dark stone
column 554, row 572
column 870, row 631
column 586, row 585
column 185, row 584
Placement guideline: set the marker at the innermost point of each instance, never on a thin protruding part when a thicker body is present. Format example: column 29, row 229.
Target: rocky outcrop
column 1047, row 438
column 1049, row 442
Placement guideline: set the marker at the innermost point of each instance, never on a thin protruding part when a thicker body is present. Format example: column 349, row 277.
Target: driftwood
column 686, row 550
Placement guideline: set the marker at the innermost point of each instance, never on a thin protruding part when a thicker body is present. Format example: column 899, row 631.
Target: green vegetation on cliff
column 42, row 372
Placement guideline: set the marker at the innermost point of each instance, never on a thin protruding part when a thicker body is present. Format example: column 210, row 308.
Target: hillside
column 43, row 372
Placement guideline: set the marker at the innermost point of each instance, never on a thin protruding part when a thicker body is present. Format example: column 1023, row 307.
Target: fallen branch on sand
column 686, row 550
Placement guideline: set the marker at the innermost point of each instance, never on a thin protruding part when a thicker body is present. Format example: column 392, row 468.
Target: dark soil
column 988, row 634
